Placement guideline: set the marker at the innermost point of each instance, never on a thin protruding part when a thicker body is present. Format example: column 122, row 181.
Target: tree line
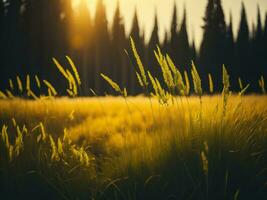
column 34, row 31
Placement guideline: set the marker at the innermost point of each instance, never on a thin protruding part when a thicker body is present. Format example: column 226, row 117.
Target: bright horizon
column 146, row 11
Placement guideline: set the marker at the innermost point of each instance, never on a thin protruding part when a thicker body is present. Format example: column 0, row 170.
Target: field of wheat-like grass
column 106, row 148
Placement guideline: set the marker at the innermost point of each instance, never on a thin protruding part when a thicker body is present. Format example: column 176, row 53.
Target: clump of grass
column 262, row 85
column 19, row 83
column 75, row 71
column 162, row 95
column 2, row 95
column 211, row 86
column 39, row 150
column 115, row 86
column 187, row 84
column 10, row 94
column 240, row 83
column 37, row 81
column 28, row 83
column 73, row 79
column 205, row 164
column 51, row 90
column 226, row 89
column 166, row 71
column 141, row 75
column 242, row 92
column 196, row 80
column 11, row 85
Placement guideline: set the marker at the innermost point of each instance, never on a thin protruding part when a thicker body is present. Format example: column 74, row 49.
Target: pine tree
column 53, row 40
column 40, row 25
column 80, row 27
column 258, row 49
column 213, row 44
column 81, row 41
column 208, row 35
column 193, row 52
column 66, row 20
column 265, row 46
column 230, row 54
column 88, row 49
column 259, row 32
column 118, row 42
column 265, row 31
column 12, row 39
column 152, row 45
column 193, row 55
column 221, row 29
column 2, row 41
column 252, row 34
column 154, row 39
column 174, row 40
column 183, row 50
column 102, row 47
column 140, row 46
column 243, row 47
column 2, row 17
column 165, row 44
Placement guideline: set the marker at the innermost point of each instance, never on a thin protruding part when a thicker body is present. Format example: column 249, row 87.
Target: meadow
column 172, row 142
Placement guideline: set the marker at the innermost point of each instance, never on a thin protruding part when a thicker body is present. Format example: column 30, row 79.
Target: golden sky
column 195, row 12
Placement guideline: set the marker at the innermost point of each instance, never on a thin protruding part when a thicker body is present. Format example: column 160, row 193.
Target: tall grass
column 191, row 146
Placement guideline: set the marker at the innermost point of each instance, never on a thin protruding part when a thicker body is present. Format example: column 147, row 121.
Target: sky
column 195, row 13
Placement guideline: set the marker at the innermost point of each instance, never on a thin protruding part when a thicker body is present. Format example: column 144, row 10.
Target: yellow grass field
column 135, row 146
column 114, row 122
column 174, row 142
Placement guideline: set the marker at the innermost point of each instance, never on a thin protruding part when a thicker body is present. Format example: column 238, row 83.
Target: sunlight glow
column 164, row 8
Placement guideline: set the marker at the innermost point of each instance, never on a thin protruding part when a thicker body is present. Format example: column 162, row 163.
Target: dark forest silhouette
column 34, row 31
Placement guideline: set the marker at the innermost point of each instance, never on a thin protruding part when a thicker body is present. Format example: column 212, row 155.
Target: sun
column 90, row 3
column 75, row 3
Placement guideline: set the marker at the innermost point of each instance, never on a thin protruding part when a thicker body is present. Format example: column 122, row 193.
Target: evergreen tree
column 183, row 50
column 154, row 39
column 212, row 55
column 259, row 32
column 2, row 18
column 53, row 41
column 2, row 41
column 12, row 37
column 265, row 31
column 174, row 40
column 102, row 47
column 165, row 44
column 206, row 53
column 193, row 57
column 193, row 52
column 152, row 45
column 45, row 31
column 252, row 34
column 66, row 20
column 119, row 59
column 230, row 54
column 89, row 53
column 80, row 44
column 220, row 27
column 258, row 49
column 265, row 46
column 243, row 48
column 140, row 46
